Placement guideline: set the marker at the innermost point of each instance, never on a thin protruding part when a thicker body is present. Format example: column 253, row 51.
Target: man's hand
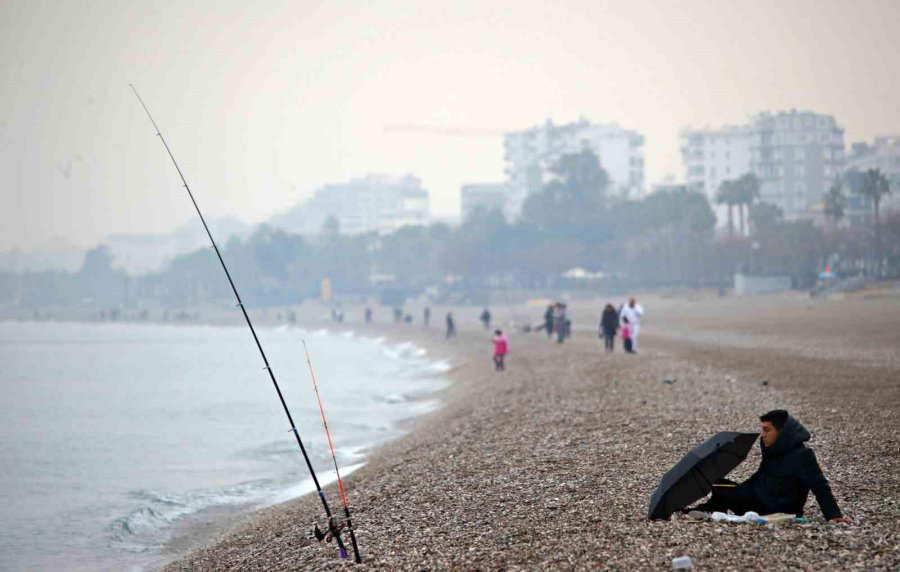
column 840, row 520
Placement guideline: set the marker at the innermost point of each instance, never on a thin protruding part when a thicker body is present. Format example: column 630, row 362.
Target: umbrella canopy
column 693, row 476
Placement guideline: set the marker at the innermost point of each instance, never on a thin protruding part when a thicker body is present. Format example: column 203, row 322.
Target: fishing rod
column 333, row 529
column 333, row 458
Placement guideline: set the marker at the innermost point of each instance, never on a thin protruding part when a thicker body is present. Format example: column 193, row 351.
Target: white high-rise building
column 796, row 155
column 374, row 203
column 529, row 155
column 711, row 156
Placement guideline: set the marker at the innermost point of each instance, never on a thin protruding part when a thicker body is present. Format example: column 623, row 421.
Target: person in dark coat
column 559, row 322
column 548, row 320
column 485, row 318
column 609, row 325
column 451, row 326
column 788, row 472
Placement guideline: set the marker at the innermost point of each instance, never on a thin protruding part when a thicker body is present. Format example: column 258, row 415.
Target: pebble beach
column 551, row 464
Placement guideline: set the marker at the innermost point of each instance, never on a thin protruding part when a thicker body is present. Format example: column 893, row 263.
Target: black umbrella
column 693, row 476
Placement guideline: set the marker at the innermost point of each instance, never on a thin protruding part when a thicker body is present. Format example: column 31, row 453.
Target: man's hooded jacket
column 788, row 472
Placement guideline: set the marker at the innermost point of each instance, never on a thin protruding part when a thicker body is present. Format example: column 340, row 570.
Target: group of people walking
column 626, row 319
column 556, row 321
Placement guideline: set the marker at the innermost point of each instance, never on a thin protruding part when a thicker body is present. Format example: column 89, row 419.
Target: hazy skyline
column 263, row 103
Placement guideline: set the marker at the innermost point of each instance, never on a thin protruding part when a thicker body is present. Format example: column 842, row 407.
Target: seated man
column 787, row 473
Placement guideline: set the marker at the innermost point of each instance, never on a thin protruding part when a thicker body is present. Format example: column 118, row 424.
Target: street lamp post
column 754, row 246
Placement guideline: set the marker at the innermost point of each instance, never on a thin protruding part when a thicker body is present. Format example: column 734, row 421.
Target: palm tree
column 835, row 201
column 746, row 191
column 876, row 186
column 726, row 196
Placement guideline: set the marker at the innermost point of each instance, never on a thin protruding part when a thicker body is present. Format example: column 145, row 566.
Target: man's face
column 631, row 302
column 768, row 433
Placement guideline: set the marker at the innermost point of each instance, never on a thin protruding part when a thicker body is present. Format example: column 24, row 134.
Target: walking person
column 609, row 325
column 548, row 320
column 501, row 348
column 451, row 326
column 627, row 344
column 633, row 312
column 426, row 316
column 485, row 318
column 559, row 322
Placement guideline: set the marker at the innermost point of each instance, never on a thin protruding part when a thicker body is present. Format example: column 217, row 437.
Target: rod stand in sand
column 333, row 530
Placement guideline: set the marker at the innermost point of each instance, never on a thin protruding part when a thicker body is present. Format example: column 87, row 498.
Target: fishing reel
column 333, row 528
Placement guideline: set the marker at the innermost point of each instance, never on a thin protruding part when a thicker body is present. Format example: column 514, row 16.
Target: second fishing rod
column 335, row 531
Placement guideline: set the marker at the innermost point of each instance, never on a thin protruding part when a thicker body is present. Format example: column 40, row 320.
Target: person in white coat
column 633, row 312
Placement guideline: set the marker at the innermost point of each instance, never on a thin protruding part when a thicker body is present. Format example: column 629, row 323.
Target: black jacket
column 609, row 323
column 788, row 472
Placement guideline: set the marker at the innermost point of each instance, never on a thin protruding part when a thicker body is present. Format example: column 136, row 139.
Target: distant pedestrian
column 548, row 320
column 426, row 316
column 633, row 312
column 398, row 314
column 451, row 326
column 609, row 325
column 368, row 315
column 485, row 318
column 560, row 322
column 501, row 348
column 627, row 343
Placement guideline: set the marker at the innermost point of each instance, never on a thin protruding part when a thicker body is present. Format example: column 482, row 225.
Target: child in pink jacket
column 501, row 348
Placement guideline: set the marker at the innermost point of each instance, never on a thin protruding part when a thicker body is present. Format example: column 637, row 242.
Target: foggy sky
column 264, row 102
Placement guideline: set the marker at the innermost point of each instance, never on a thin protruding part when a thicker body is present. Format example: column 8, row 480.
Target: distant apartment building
column 797, row 155
column 529, row 155
column 711, row 156
column 883, row 154
column 375, row 203
column 486, row 196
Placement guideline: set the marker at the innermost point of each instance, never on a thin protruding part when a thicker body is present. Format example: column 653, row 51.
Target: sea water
column 111, row 434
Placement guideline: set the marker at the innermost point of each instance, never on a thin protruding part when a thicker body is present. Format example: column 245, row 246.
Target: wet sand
column 551, row 464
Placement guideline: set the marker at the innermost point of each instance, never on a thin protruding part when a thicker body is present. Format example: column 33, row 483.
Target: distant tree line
column 666, row 239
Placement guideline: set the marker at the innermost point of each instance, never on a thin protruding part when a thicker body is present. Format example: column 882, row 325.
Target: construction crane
column 420, row 129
